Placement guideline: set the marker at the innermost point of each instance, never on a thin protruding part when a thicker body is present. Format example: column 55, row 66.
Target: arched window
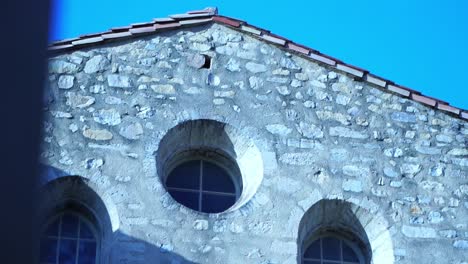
column 331, row 249
column 69, row 238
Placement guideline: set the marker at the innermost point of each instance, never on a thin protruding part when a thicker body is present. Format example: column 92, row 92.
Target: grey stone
column 120, row 81
column 66, row 81
column 428, row 150
column 356, row 170
column 278, row 80
column 283, row 90
column 435, row 217
column 200, row 46
column 255, row 82
column 418, row 232
column 461, row 244
column 97, row 134
column 410, row 169
column 132, row 131
column 346, row 133
column 403, row 117
column 112, row 100
column 96, row 64
column 299, row 159
column 255, row 67
column 437, row 170
column 390, row 172
column 278, row 129
column 233, row 65
column 109, row 117
column 327, row 115
column 310, row 130
column 60, row 114
column 458, row 152
column 163, row 88
column 350, row 185
column 59, row 66
column 200, row 224
column 342, row 100
column 79, row 101
column 288, row 64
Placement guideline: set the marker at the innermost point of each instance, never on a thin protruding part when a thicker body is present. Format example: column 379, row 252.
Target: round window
column 205, row 183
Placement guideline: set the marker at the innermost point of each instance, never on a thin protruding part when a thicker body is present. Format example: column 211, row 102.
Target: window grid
column 59, row 238
column 200, row 191
column 323, row 260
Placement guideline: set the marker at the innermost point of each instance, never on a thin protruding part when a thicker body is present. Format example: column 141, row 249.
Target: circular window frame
column 215, row 156
column 351, row 241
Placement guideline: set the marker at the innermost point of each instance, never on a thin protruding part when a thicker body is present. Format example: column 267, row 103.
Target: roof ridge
column 210, row 14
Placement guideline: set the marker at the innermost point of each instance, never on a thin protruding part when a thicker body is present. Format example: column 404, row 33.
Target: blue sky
column 419, row 44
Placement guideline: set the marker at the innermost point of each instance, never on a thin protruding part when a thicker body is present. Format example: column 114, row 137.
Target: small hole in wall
column 207, row 64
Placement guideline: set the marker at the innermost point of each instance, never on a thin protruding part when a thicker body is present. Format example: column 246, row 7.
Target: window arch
column 69, row 237
column 332, row 248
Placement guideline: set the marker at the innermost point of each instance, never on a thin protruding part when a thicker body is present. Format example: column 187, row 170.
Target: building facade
column 202, row 139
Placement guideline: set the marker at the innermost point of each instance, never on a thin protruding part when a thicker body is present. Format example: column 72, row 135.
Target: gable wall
column 321, row 135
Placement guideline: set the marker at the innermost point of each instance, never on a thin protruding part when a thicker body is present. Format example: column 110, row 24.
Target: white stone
column 350, row 185
column 96, row 64
column 163, row 88
column 109, row 117
column 346, row 133
column 278, row 129
column 418, row 232
column 255, row 82
column 255, row 67
column 66, row 81
column 120, row 81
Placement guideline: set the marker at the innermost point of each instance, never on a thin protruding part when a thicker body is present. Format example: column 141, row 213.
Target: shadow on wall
column 62, row 193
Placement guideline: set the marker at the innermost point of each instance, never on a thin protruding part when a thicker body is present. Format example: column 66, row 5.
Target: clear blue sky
column 421, row 44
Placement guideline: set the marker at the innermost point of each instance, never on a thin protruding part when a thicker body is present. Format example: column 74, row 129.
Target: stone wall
column 399, row 168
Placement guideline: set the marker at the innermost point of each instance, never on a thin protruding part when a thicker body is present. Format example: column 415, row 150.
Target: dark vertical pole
column 23, row 40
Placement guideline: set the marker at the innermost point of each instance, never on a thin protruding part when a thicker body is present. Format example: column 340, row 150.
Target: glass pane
column 186, row 175
column 52, row 229
column 48, row 250
column 188, row 199
column 313, row 251
column 212, row 203
column 311, row 262
column 69, row 226
column 85, row 231
column 87, row 252
column 349, row 254
column 67, row 253
column 331, row 248
column 216, row 179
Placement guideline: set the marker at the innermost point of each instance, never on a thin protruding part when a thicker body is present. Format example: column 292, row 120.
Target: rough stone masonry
column 321, row 134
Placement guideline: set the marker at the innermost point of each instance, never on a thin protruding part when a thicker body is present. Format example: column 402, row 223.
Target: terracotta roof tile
column 167, row 25
column 250, row 29
column 163, row 19
column 375, row 80
column 227, row 21
column 273, row 39
column 116, row 35
column 208, row 15
column 423, row 99
column 351, row 70
column 87, row 41
column 322, row 58
column 185, row 16
column 448, row 108
column 141, row 30
column 398, row 90
column 298, row 48
column 195, row 21
column 464, row 115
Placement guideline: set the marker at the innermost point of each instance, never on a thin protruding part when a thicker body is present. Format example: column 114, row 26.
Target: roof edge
column 210, row 15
